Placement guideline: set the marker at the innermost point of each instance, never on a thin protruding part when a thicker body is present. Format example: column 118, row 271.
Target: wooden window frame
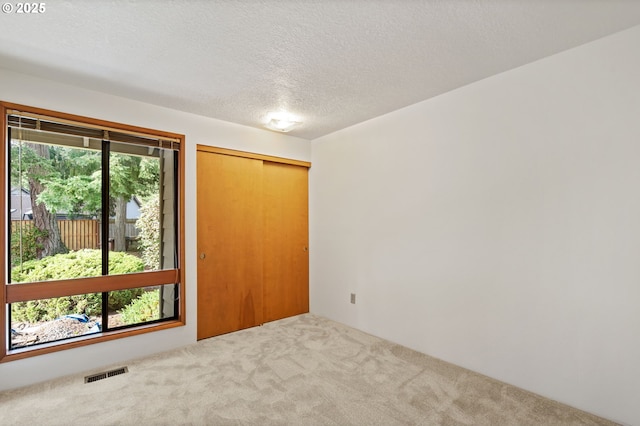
column 31, row 291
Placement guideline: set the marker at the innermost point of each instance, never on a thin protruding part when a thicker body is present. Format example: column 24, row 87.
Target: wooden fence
column 75, row 234
column 130, row 228
column 78, row 234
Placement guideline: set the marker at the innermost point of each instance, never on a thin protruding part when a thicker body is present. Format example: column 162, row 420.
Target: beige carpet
column 304, row 370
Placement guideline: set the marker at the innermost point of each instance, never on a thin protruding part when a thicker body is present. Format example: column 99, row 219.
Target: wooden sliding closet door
column 229, row 243
column 286, row 240
column 253, row 241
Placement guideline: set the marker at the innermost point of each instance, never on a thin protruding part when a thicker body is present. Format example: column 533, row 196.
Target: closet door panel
column 286, row 240
column 230, row 249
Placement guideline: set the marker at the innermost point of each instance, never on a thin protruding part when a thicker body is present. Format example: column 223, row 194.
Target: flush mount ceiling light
column 281, row 121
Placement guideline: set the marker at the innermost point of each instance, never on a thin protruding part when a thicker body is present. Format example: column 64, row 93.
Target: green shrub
column 75, row 264
column 149, row 238
column 30, row 246
column 50, row 309
column 121, row 298
column 78, row 264
column 144, row 308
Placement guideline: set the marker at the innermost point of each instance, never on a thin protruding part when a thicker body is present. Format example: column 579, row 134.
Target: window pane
column 48, row 320
column 142, row 205
column 55, row 202
column 65, row 224
column 141, row 305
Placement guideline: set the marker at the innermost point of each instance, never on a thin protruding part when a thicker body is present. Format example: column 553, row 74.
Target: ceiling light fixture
column 281, row 122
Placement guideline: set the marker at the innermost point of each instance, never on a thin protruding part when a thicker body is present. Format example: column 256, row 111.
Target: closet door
column 230, row 249
column 286, row 240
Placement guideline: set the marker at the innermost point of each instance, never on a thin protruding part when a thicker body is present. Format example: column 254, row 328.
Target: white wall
column 497, row 226
column 35, row 92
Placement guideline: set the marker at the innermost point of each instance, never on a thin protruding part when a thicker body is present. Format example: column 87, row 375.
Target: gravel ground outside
column 27, row 334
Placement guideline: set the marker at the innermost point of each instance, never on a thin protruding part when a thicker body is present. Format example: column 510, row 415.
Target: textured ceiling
column 332, row 63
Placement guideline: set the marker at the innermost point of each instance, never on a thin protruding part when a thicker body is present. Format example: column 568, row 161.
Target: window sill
column 45, row 348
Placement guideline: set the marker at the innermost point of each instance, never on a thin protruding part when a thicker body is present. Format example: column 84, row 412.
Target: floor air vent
column 105, row 374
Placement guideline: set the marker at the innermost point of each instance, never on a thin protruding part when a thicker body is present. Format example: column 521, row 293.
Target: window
column 92, row 231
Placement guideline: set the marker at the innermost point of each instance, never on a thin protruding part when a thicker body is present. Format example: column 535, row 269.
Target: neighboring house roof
column 20, row 203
